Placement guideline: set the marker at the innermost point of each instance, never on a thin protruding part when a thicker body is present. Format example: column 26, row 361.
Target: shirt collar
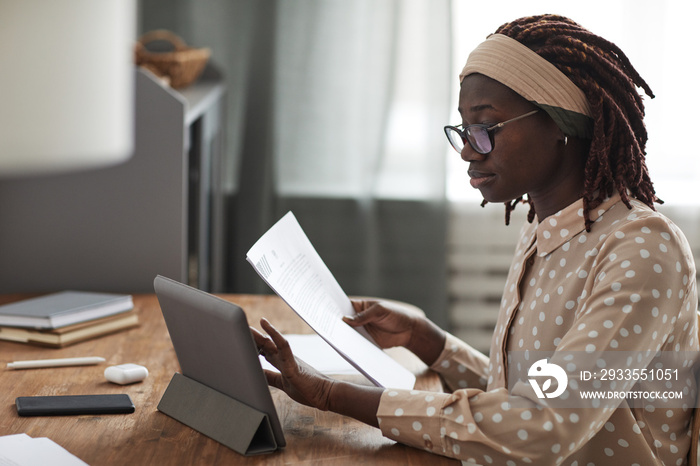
column 559, row 228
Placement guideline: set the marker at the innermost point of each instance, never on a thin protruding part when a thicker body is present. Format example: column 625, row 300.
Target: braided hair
column 604, row 73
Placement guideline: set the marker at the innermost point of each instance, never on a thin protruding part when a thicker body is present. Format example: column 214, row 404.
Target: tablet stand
column 220, row 417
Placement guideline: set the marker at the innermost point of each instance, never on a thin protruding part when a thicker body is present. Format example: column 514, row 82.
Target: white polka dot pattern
column 627, row 285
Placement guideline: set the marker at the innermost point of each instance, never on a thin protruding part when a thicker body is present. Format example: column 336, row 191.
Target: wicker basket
column 179, row 67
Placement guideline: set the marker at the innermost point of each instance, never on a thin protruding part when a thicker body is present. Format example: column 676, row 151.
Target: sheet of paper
column 285, row 258
column 313, row 350
column 23, row 450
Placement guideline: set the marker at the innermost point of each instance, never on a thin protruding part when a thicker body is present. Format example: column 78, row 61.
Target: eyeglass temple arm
column 501, row 124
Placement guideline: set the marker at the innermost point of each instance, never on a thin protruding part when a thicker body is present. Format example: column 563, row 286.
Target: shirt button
column 428, row 444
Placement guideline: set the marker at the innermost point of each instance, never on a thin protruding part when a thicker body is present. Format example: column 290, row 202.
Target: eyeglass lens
column 478, row 138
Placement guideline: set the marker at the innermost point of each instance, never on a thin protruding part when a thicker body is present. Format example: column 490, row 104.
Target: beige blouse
column 627, row 286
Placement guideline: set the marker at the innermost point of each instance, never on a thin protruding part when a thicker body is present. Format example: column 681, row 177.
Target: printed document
column 313, row 350
column 285, row 258
column 23, row 450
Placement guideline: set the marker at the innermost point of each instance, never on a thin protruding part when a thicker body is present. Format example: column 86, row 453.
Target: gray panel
column 220, row 417
column 112, row 229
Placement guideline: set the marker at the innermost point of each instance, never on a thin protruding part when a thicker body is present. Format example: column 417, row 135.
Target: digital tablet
column 214, row 346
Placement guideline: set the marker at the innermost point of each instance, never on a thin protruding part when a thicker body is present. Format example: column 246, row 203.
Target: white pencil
column 38, row 363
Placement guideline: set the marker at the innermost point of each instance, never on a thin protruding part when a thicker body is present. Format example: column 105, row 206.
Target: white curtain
column 361, row 92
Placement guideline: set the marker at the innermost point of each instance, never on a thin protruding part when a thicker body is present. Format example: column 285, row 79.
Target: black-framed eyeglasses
column 479, row 136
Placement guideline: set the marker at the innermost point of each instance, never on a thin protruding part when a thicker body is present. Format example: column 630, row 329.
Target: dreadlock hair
column 606, row 76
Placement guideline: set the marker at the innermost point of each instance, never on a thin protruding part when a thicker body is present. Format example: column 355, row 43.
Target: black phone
column 64, row 405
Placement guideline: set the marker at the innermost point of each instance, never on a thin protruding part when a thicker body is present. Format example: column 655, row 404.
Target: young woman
column 600, row 281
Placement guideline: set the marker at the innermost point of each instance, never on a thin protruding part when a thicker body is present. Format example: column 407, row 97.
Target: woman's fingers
column 273, row 343
column 274, row 379
column 272, row 332
column 264, row 343
column 280, row 353
column 365, row 314
column 360, row 305
column 280, row 342
column 258, row 337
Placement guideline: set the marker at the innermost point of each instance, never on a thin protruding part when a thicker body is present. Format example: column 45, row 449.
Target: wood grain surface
column 149, row 437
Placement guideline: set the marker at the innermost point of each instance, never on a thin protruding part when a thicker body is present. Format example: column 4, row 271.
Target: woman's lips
column 478, row 179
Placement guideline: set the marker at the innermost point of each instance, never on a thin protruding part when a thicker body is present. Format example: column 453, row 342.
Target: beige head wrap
column 514, row 65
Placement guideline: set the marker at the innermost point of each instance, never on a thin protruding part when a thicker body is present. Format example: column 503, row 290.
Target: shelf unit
column 116, row 228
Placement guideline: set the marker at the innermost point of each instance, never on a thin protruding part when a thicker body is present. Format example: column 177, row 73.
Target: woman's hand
column 389, row 324
column 393, row 324
column 297, row 379
column 307, row 386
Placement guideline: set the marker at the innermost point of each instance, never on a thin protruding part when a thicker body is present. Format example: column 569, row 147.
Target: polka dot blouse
column 627, row 286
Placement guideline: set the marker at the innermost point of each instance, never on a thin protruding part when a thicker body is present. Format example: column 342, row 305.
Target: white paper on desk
column 285, row 258
column 23, row 450
column 314, row 351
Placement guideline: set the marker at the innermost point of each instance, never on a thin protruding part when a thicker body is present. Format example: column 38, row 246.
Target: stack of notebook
column 64, row 318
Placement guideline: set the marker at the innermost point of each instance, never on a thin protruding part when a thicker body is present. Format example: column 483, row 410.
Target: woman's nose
column 470, row 155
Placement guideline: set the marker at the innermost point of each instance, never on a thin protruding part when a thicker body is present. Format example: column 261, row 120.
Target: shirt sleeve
column 636, row 300
column 461, row 366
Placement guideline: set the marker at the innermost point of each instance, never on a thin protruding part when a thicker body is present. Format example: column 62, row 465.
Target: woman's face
column 528, row 155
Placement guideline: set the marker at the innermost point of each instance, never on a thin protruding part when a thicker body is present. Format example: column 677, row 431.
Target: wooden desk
column 149, row 437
